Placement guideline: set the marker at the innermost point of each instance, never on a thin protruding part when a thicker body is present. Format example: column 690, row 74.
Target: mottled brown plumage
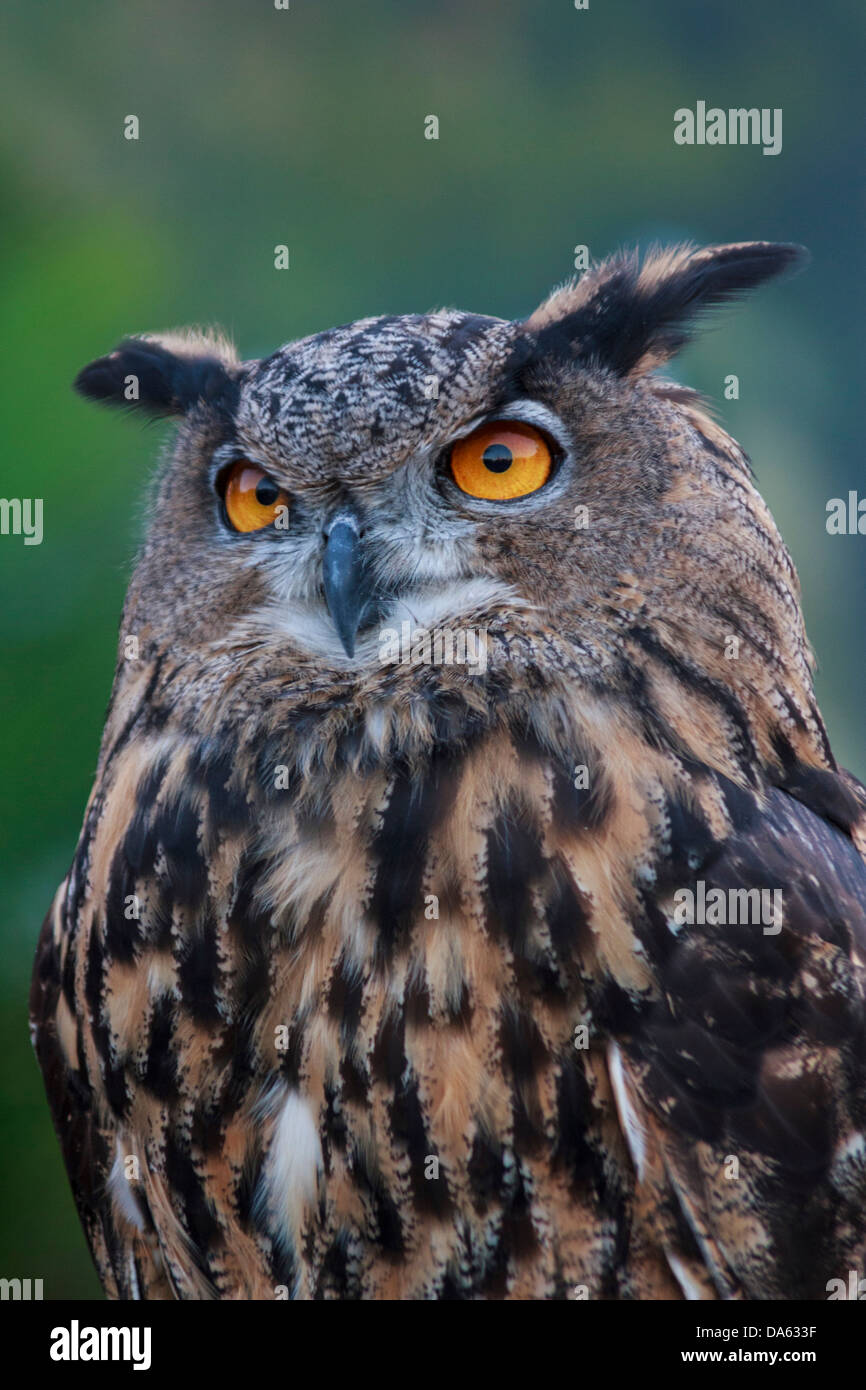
column 367, row 979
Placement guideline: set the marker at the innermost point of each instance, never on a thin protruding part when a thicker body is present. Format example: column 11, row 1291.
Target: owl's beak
column 343, row 573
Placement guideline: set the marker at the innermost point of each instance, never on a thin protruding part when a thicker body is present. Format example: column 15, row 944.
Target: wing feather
column 747, row 1076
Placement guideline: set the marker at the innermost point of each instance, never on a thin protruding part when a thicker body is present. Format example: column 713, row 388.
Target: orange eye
column 252, row 498
column 501, row 460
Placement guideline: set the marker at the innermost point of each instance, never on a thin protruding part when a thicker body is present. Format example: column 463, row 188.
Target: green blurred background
column 306, row 127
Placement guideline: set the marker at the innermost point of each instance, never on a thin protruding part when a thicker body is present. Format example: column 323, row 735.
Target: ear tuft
column 631, row 317
column 164, row 375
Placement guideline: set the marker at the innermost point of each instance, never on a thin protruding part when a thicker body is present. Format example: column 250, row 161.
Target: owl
column 468, row 904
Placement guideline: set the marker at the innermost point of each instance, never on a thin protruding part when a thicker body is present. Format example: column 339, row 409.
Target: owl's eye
column 252, row 499
column 501, row 460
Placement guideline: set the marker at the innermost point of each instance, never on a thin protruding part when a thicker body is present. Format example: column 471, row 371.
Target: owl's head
column 533, row 485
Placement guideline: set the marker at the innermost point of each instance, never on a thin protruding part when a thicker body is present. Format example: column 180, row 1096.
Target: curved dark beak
column 344, row 576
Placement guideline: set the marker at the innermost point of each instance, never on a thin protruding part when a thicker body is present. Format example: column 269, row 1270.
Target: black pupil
column 267, row 492
column 497, row 457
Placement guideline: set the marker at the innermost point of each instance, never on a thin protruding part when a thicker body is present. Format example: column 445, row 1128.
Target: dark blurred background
column 306, row 127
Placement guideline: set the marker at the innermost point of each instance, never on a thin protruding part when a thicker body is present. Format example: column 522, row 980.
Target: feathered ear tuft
column 164, row 375
column 631, row 317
